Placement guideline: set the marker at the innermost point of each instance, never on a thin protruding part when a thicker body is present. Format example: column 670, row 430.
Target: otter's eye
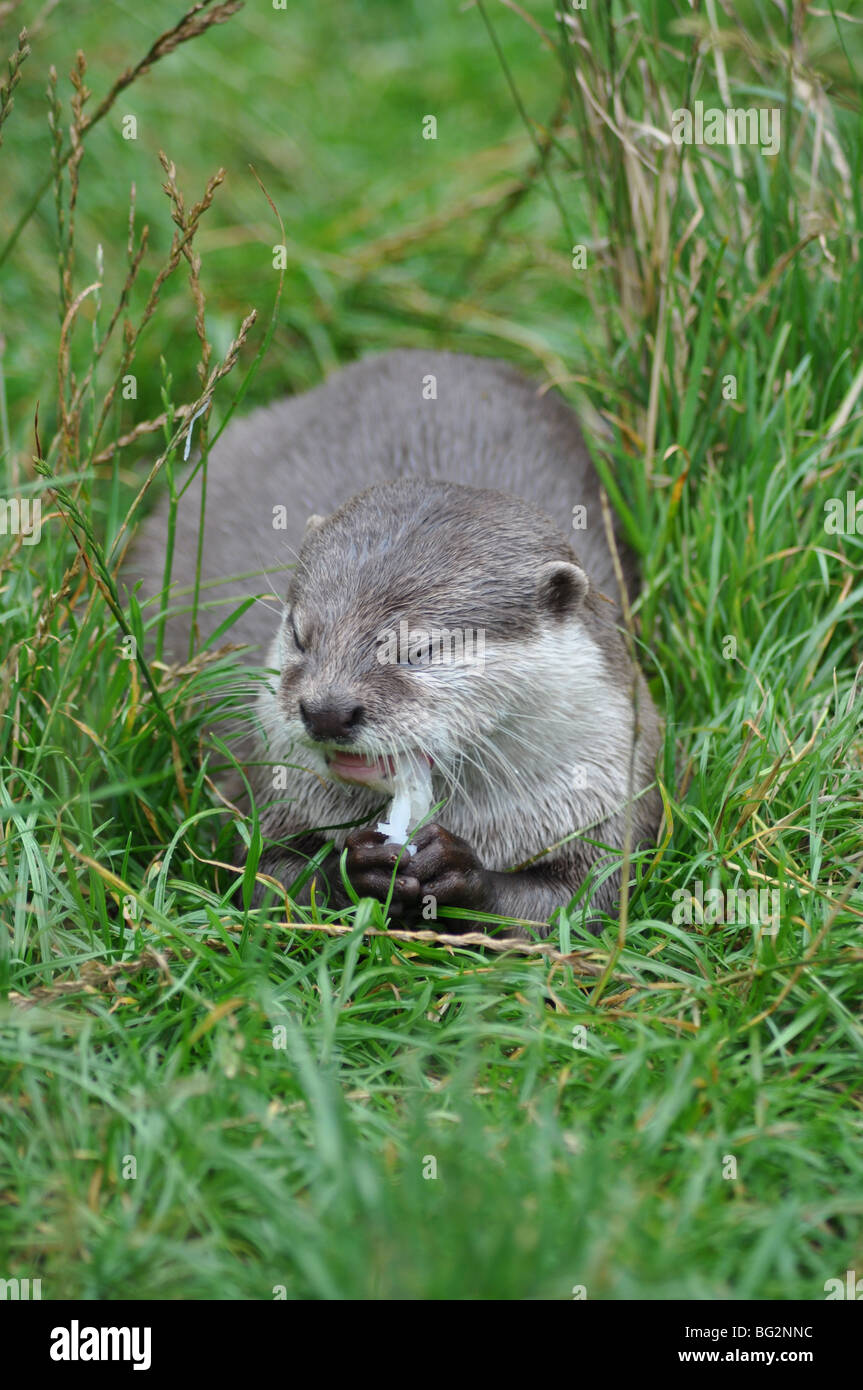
column 407, row 646
column 297, row 643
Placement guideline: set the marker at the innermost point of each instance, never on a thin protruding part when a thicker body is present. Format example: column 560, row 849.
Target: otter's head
column 424, row 618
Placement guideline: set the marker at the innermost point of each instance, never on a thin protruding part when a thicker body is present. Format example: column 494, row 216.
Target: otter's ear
column 561, row 588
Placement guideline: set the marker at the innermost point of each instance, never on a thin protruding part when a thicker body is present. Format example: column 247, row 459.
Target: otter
column 412, row 494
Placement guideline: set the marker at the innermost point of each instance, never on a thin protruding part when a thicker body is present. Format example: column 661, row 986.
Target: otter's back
column 435, row 415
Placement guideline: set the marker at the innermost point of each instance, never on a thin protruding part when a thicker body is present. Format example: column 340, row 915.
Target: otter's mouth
column 359, row 769
column 363, row 771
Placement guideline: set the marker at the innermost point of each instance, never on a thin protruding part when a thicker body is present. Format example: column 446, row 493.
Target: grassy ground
column 202, row 1103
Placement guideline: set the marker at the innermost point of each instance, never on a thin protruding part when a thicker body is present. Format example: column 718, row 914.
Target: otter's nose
column 333, row 716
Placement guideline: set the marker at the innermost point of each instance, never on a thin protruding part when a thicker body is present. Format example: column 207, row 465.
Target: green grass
column 283, row 1090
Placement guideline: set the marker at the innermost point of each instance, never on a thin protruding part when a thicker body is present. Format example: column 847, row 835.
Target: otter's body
column 467, row 479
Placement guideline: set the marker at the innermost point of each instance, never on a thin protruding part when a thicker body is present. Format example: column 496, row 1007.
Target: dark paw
column 370, row 863
column 444, row 872
column 448, row 869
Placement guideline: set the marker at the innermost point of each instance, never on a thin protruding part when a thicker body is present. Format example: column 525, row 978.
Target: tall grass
column 204, row 1102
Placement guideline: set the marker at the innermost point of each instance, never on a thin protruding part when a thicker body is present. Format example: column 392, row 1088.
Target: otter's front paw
column 444, row 869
